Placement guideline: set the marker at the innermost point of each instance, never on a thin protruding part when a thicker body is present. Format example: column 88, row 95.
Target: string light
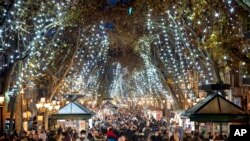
column 42, row 37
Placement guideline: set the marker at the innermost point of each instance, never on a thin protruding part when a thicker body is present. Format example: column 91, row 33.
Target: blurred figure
column 97, row 136
column 225, row 137
column 24, row 137
column 59, row 130
column 30, row 136
column 111, row 136
column 187, row 137
column 146, row 131
column 82, row 136
column 51, row 136
column 156, row 136
column 42, row 135
column 210, row 136
column 196, row 136
column 90, row 137
column 219, row 137
column 176, row 135
column 165, row 136
column 122, row 138
column 65, row 136
column 4, row 137
column 35, row 136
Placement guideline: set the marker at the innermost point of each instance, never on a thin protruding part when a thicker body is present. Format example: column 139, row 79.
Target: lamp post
column 47, row 108
column 26, row 117
column 50, row 107
column 1, row 112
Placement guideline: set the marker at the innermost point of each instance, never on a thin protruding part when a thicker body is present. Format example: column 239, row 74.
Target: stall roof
column 154, row 108
column 215, row 108
column 108, row 105
column 73, row 110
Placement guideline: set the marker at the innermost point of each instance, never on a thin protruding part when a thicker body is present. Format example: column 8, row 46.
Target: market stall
column 154, row 112
column 217, row 110
column 108, row 108
column 73, row 115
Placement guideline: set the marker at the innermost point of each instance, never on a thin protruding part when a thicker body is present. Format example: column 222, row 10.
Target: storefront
column 78, row 125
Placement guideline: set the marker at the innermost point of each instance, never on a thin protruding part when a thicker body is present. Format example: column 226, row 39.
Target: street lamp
column 1, row 112
column 26, row 117
column 47, row 108
column 50, row 107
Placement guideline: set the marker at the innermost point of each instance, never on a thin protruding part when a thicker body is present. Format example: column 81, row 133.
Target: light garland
column 41, row 34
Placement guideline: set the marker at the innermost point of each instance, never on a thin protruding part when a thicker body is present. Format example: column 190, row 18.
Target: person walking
column 82, row 136
column 111, row 136
column 176, row 135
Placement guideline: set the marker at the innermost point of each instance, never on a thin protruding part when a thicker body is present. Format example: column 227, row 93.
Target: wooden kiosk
column 73, row 115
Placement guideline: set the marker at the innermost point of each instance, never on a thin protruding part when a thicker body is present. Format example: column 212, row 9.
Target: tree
column 185, row 36
column 199, row 36
column 26, row 29
column 101, row 50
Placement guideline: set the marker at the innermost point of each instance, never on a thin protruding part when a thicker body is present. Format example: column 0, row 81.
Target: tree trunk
column 217, row 74
column 69, row 65
column 6, row 85
column 177, row 103
column 56, row 85
column 12, row 111
column 18, row 114
column 46, row 120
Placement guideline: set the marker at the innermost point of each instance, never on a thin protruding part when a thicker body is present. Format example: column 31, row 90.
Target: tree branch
column 69, row 66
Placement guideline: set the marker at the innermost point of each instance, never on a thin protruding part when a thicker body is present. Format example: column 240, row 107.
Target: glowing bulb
column 216, row 14
column 232, row 10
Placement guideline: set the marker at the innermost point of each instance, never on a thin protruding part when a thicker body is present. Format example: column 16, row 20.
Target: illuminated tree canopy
column 126, row 49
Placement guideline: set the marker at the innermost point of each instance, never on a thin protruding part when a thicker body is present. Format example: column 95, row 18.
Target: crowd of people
column 121, row 126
